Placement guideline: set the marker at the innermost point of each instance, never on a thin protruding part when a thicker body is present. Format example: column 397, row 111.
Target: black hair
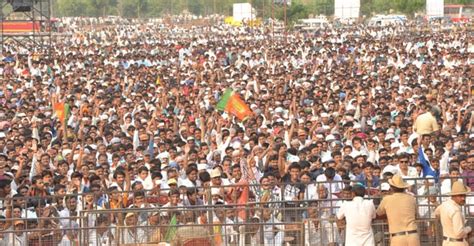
column 358, row 190
column 330, row 173
column 204, row 177
column 294, row 165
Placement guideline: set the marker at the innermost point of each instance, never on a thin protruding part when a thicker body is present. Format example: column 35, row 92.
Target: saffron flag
column 62, row 111
column 233, row 104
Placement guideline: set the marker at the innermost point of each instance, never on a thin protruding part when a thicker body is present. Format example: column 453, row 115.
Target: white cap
column 293, row 158
column 66, row 152
column 279, row 110
column 330, row 137
column 389, row 136
column 384, row 187
column 115, row 140
column 104, row 117
column 395, row 145
column 163, row 155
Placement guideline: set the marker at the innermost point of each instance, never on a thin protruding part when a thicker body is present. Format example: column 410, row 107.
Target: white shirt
column 411, row 173
column 426, row 209
column 147, row 183
column 333, row 187
column 359, row 214
column 270, row 236
column 311, row 192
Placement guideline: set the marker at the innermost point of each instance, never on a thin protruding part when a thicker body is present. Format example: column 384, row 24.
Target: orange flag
column 62, row 110
column 233, row 104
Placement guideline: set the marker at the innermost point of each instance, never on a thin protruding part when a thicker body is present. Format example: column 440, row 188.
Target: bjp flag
column 233, row 104
column 62, row 111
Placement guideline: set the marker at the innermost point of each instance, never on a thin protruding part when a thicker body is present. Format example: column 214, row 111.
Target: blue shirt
column 363, row 180
column 427, row 169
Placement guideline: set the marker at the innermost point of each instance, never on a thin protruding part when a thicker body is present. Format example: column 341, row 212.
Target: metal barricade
column 254, row 222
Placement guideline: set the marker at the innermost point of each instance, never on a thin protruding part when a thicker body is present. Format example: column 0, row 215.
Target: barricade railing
column 289, row 212
column 257, row 193
column 263, row 230
column 334, row 190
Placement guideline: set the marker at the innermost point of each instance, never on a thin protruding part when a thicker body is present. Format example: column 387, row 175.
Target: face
column 265, row 184
column 454, row 174
column 18, row 228
column 139, row 200
column 470, row 163
column 368, row 171
column 322, row 192
column 131, row 220
column 192, row 176
column 40, row 184
column 72, row 204
column 403, row 162
column 237, row 173
column 426, row 140
column 305, row 179
column 154, row 219
column 143, row 174
column 120, row 179
column 294, row 173
column 346, row 194
column 357, row 144
column 16, row 213
column 312, row 212
column 266, row 214
column 356, row 170
column 459, row 199
column 376, row 172
column 174, row 199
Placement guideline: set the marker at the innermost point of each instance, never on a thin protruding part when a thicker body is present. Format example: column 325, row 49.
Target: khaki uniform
column 400, row 209
column 453, row 222
column 425, row 124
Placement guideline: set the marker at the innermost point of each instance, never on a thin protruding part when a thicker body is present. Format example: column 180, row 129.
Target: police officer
column 455, row 232
column 400, row 209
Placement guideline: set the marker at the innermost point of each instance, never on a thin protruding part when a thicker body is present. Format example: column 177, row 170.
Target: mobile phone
column 472, row 90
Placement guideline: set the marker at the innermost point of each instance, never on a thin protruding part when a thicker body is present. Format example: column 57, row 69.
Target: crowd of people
column 340, row 111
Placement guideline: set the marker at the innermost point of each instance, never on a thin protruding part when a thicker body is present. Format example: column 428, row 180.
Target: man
column 468, row 173
column 448, row 182
column 327, row 214
column 367, row 178
column 331, row 180
column 359, row 214
column 426, row 123
column 405, row 170
column 273, row 230
column 455, row 232
column 400, row 209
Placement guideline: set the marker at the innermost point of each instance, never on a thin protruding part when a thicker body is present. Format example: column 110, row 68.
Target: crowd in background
column 331, row 109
